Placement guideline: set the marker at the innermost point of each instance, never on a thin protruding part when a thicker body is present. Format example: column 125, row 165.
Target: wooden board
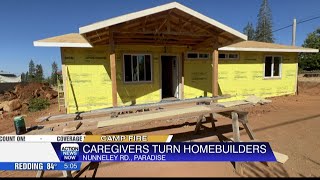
column 233, row 103
column 281, row 158
column 72, row 127
column 215, row 85
column 172, row 114
column 91, row 124
column 113, row 79
column 108, row 111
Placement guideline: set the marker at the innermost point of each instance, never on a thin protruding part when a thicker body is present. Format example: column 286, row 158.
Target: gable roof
column 158, row 9
column 265, row 47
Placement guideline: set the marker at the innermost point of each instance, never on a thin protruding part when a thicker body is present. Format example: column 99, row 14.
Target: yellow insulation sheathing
column 245, row 76
column 87, row 75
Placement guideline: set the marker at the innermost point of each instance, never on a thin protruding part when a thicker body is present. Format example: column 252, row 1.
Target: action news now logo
column 69, row 151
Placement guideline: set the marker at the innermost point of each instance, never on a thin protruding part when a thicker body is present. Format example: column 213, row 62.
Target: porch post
column 113, row 70
column 215, row 86
column 182, row 76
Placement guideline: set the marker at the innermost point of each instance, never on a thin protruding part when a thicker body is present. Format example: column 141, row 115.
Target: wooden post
column 199, row 123
column 182, row 76
column 236, row 138
column 113, row 70
column 212, row 118
column 235, row 126
column 215, row 86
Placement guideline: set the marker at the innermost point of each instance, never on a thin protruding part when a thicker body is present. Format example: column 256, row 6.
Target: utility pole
column 294, row 29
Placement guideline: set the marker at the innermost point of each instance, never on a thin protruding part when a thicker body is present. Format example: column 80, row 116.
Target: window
column 228, row 56
column 137, row 68
column 272, row 66
column 233, row 56
column 192, row 55
column 204, row 55
column 222, row 56
column 197, row 55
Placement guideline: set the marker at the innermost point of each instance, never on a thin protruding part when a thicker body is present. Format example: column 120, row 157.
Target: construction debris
column 255, row 100
column 250, row 100
column 233, row 103
column 72, row 127
column 281, row 158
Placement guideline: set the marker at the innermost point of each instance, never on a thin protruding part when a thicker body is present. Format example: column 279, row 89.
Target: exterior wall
column 245, row 77
column 198, row 78
column 88, row 83
column 87, row 77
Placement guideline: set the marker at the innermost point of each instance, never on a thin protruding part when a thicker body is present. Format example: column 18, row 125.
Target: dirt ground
column 290, row 124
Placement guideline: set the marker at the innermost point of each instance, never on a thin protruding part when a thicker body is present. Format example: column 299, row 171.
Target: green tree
column 54, row 73
column 310, row 61
column 23, row 77
column 249, row 31
column 32, row 71
column 264, row 26
column 27, row 77
column 39, row 73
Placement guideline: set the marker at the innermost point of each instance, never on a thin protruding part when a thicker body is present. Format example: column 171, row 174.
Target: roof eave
column 269, row 50
column 61, row 44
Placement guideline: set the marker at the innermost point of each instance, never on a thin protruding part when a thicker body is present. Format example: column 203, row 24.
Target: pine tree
column 39, row 73
column 264, row 26
column 32, row 71
column 23, row 77
column 249, row 31
column 27, row 77
column 54, row 73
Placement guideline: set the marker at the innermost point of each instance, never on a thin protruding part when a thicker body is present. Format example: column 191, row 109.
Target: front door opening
column 170, row 82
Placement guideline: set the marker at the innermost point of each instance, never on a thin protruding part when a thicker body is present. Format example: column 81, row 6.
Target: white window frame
column 124, row 70
column 198, row 54
column 227, row 56
column 272, row 67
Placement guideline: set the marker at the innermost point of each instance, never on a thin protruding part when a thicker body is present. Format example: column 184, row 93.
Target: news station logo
column 69, row 152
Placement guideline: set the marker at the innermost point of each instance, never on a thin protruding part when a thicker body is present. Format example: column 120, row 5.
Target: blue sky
column 23, row 21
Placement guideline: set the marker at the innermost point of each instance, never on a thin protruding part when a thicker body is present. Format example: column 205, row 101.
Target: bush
column 37, row 104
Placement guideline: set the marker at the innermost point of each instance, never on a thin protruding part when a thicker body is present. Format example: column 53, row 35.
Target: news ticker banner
column 64, row 152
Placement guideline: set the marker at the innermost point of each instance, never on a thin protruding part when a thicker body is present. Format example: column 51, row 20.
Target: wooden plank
column 72, row 89
column 235, row 127
column 205, row 43
column 40, row 174
column 172, row 114
column 72, row 127
column 108, row 111
column 91, row 124
column 113, row 79
column 236, row 137
column 156, row 116
column 113, row 68
column 281, row 158
column 233, row 103
column 215, row 85
column 67, row 174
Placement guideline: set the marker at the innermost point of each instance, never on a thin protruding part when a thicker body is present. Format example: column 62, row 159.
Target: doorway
column 170, row 77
